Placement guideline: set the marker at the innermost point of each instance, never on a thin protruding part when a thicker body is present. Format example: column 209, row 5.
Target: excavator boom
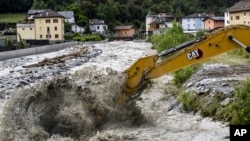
column 192, row 52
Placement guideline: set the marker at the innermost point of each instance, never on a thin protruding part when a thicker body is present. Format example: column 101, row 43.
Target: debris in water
column 59, row 59
column 72, row 107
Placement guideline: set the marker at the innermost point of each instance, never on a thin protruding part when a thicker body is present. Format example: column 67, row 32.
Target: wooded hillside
column 115, row 12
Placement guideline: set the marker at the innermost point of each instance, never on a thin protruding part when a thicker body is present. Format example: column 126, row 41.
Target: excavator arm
column 188, row 53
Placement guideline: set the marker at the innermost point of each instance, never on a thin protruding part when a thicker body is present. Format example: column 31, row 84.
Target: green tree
column 67, row 27
column 21, row 43
column 80, row 17
column 123, row 14
column 39, row 4
column 172, row 37
column 87, row 29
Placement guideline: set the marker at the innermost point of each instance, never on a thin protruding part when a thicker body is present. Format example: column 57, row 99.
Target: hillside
column 12, row 17
column 118, row 11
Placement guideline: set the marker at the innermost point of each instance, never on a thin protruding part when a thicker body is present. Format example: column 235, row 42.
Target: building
column 33, row 12
column 213, row 22
column 48, row 25
column 76, row 28
column 98, row 26
column 124, row 31
column 156, row 24
column 26, row 31
column 193, row 22
column 68, row 15
column 226, row 18
column 239, row 13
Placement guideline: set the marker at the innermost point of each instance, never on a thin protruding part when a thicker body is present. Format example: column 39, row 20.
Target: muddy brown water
column 86, row 101
column 73, row 107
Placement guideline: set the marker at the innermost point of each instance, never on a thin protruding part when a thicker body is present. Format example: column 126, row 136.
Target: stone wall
column 35, row 50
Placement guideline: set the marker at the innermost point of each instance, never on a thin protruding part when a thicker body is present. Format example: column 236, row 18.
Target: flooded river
column 83, row 100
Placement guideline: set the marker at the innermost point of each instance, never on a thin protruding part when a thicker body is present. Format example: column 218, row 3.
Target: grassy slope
column 12, row 18
column 213, row 108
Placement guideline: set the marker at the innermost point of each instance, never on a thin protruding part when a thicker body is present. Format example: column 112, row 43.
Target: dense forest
column 116, row 12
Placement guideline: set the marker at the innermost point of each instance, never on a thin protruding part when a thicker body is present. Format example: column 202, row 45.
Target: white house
column 68, row 15
column 98, row 26
column 227, row 18
column 77, row 28
column 157, row 24
column 193, row 22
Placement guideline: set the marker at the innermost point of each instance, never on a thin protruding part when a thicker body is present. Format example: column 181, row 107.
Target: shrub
column 240, row 52
column 171, row 38
column 9, row 42
column 21, row 43
column 241, row 106
column 68, row 37
column 187, row 100
column 89, row 37
column 183, row 75
column 208, row 106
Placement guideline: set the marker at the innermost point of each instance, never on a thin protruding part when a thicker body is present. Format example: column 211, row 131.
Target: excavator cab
column 211, row 44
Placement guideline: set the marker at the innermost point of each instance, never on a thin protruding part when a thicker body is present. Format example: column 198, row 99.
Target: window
column 41, row 36
column 237, row 17
column 56, row 36
column 48, row 30
column 98, row 27
column 244, row 13
column 48, row 36
column 55, row 20
column 30, row 28
column 47, row 20
column 231, row 17
column 23, row 28
column 55, row 28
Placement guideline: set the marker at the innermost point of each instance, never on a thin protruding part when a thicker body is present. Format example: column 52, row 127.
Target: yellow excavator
column 211, row 44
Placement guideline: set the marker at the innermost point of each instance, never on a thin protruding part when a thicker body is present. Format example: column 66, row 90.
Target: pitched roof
column 66, row 14
column 123, row 27
column 215, row 18
column 240, row 6
column 48, row 13
column 196, row 15
column 96, row 22
column 162, row 18
column 35, row 11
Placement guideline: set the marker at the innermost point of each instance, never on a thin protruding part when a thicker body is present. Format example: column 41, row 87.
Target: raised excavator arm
column 188, row 53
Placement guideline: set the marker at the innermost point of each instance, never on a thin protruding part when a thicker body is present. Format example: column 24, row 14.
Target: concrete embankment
column 35, row 50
